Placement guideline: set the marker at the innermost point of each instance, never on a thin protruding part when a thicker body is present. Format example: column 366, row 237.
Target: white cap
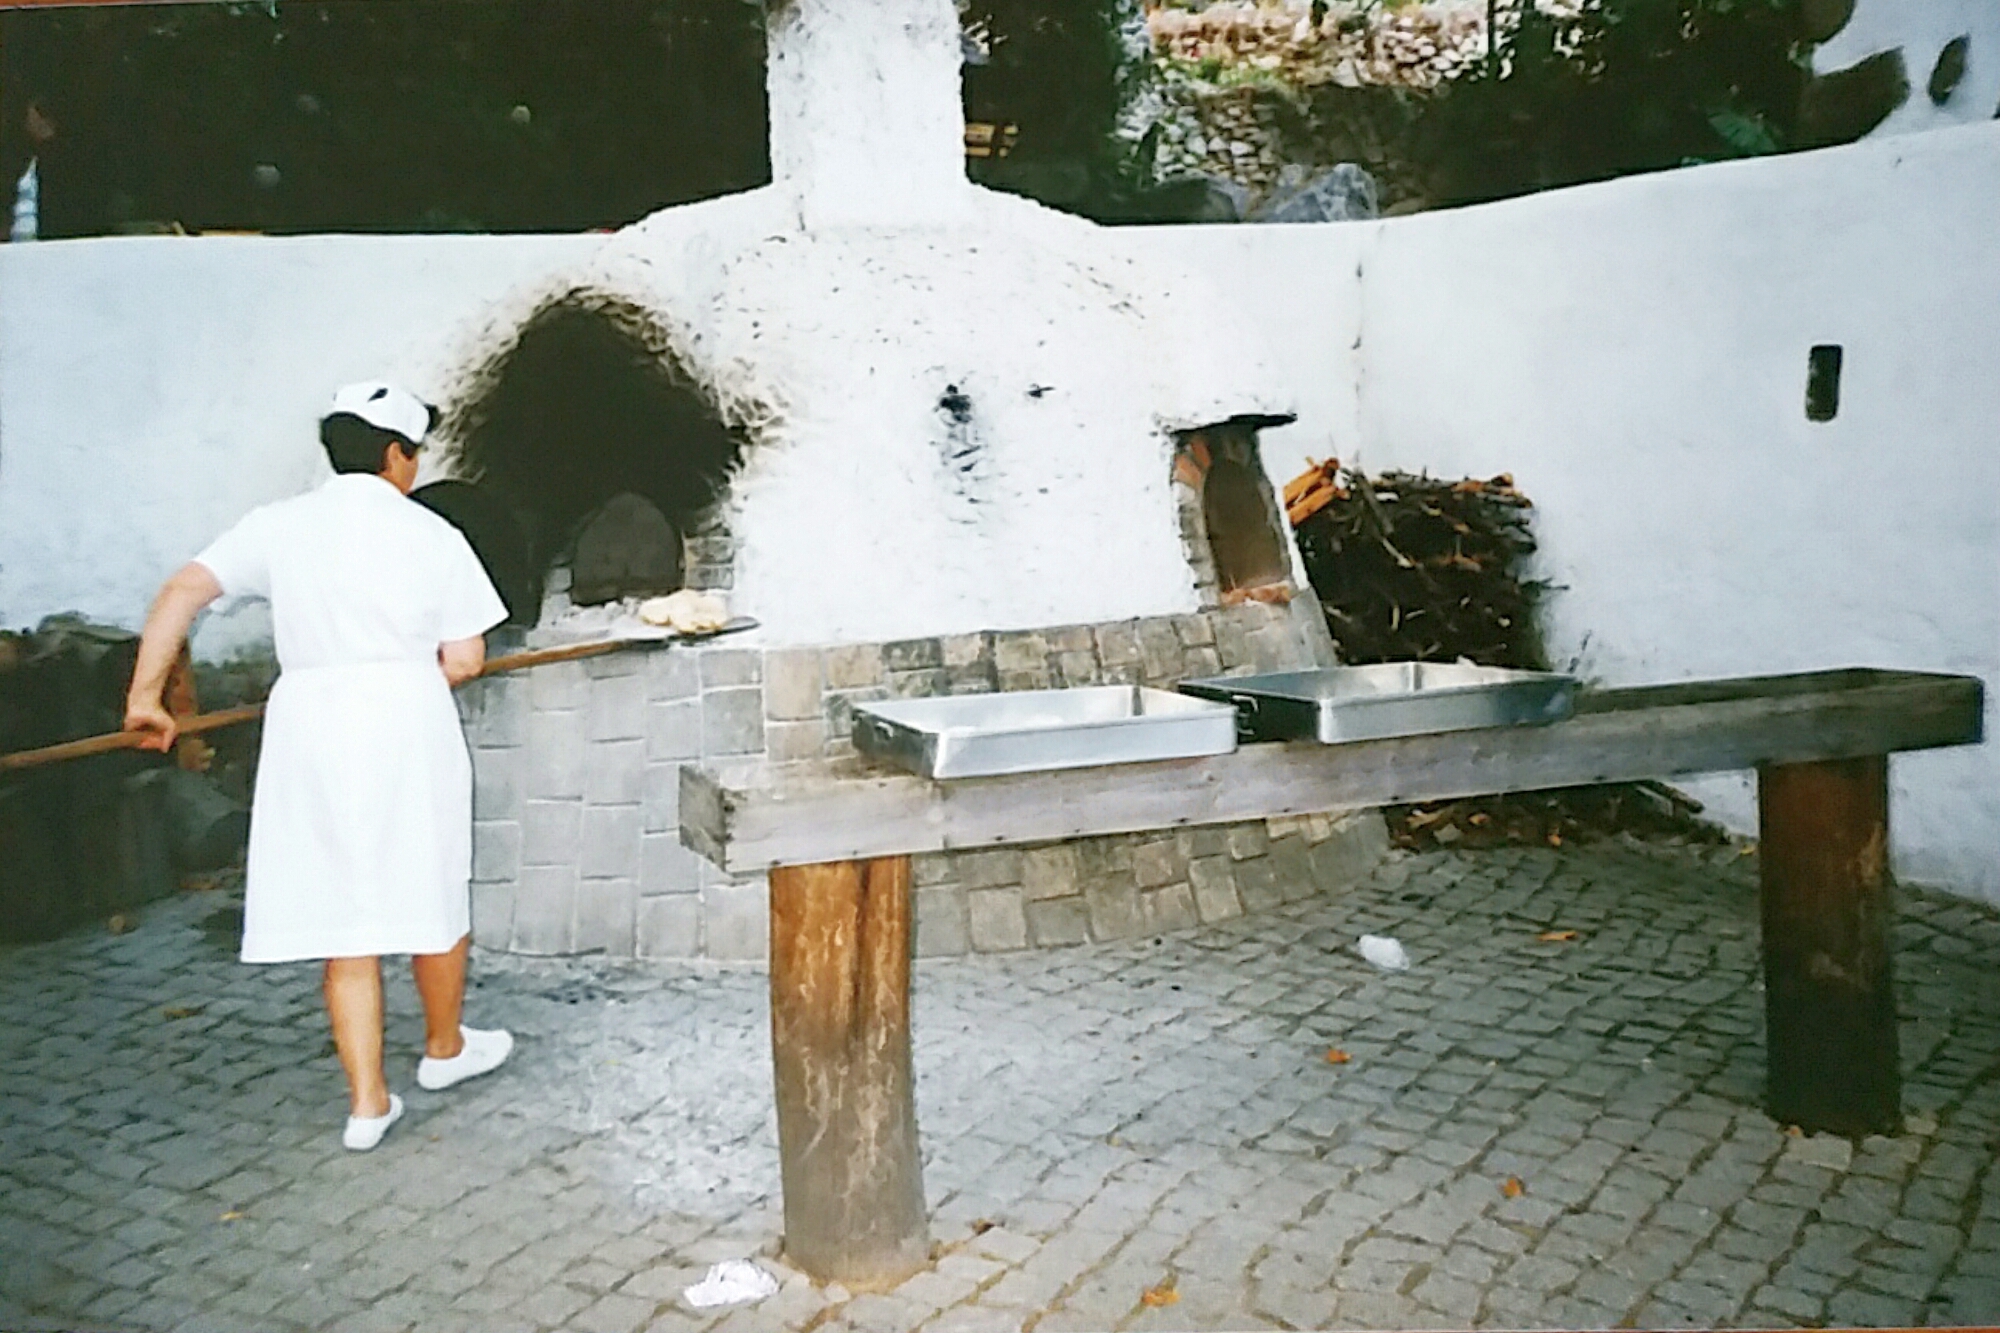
column 382, row 404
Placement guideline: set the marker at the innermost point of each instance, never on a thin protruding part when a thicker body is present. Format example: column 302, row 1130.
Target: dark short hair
column 353, row 445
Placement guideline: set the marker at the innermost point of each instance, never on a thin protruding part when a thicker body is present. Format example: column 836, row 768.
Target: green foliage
column 386, row 115
column 1632, row 85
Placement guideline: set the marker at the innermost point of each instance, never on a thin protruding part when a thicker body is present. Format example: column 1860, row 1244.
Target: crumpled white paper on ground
column 1385, row 952
column 731, row 1282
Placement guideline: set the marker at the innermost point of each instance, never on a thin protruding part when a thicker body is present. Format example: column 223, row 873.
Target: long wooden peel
column 113, row 741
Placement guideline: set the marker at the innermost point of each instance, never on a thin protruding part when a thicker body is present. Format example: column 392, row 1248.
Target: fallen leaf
column 1164, row 1294
column 1481, row 819
column 231, row 1216
column 1336, row 1056
column 1555, row 839
column 1795, row 1131
column 981, row 1226
column 1513, row 1188
column 1749, row 849
column 182, row 1010
column 119, row 924
column 1556, row 936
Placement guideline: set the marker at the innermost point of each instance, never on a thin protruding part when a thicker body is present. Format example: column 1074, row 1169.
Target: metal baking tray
column 985, row 735
column 1360, row 703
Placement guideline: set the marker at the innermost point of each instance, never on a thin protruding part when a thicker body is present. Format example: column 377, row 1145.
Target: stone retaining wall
column 575, row 842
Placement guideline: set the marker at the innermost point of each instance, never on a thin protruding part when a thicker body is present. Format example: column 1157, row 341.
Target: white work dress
column 361, row 826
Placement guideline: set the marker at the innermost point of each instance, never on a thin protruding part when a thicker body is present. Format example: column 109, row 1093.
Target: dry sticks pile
column 1414, row 569
column 1410, row 568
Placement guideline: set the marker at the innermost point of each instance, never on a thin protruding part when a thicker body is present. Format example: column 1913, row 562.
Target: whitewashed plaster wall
column 152, row 390
column 1921, row 29
column 1302, row 284
column 1635, row 354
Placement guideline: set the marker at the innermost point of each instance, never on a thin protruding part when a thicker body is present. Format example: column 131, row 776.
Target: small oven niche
column 1231, row 526
column 591, row 434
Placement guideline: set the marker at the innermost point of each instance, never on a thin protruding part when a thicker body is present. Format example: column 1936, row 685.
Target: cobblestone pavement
column 1100, row 1123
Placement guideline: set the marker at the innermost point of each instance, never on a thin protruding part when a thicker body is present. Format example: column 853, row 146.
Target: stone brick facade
column 575, row 842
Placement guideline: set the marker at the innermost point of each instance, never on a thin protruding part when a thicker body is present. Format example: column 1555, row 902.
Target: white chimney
column 867, row 125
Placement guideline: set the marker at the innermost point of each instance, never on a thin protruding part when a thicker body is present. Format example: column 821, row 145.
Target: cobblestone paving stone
column 1098, row 1121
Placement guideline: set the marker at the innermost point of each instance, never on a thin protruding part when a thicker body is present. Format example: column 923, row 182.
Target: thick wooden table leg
column 1829, row 1003
column 840, row 1039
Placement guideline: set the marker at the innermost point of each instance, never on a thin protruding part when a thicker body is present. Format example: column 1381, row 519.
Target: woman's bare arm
column 181, row 599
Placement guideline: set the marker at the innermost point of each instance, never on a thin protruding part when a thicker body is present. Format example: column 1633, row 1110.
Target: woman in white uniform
column 361, row 825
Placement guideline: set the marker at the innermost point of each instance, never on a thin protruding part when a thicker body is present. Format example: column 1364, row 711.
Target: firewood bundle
column 1415, row 569
column 1410, row 568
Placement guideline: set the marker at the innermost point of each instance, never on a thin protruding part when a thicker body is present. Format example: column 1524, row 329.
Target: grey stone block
column 926, row 684
column 610, row 842
column 1156, row 862
column 1114, row 910
column 1041, row 678
column 1202, row 663
column 615, row 773
column 997, row 921
column 983, row 870
column 1049, row 872
column 625, row 663
column 1071, row 639
column 553, row 759
column 736, row 919
column 852, row 666
column 1355, row 846
column 958, row 650
column 668, row 926
column 1071, row 670
column 732, row 721
column 1258, row 885
column 558, row 686
column 501, row 712
column 1020, row 653
column 1118, row 645
column 493, row 914
column 672, row 673
column 551, row 832
column 1291, row 861
column 496, row 850
column 662, row 802
column 913, row 655
column 792, row 684
column 943, row 928
column 673, row 730
column 1247, row 840
column 1171, row 908
column 1058, row 921
column 1194, row 631
column 723, row 667
column 617, row 708
column 667, row 867
column 1232, row 643
column 1213, row 882
column 544, row 909
column 496, row 783
column 605, row 913
column 789, row 742
column 1161, row 656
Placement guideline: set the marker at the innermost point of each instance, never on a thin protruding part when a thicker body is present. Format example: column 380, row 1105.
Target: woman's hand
column 462, row 659
column 151, row 718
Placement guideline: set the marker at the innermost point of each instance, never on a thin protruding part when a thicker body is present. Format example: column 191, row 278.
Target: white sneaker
column 485, row 1051
column 365, row 1131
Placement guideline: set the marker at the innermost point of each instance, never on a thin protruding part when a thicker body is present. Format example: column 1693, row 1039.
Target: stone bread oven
column 935, row 439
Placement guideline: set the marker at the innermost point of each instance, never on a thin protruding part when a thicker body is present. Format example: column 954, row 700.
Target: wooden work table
column 837, row 839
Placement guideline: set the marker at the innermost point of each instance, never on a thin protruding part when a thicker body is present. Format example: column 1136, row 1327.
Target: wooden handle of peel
column 113, row 741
